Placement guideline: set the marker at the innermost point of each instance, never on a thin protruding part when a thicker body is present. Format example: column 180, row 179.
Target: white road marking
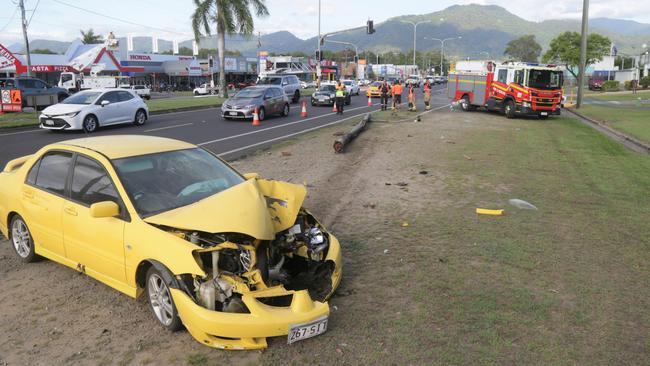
column 271, row 128
column 309, row 130
column 168, row 127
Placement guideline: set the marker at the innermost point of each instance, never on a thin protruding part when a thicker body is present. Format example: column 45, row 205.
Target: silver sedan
column 269, row 100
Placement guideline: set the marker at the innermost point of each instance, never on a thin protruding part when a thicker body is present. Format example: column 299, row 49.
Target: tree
column 624, row 62
column 44, row 51
column 229, row 16
column 565, row 48
column 89, row 37
column 524, row 48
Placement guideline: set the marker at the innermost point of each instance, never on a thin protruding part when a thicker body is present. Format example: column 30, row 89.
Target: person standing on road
column 427, row 95
column 384, row 89
column 340, row 97
column 396, row 91
column 411, row 98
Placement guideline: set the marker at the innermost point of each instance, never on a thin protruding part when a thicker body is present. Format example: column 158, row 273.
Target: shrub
column 628, row 85
column 645, row 82
column 611, row 85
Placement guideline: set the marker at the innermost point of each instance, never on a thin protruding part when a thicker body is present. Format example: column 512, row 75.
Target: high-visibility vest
column 340, row 93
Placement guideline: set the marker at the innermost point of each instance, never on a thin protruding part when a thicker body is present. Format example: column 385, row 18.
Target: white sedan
column 90, row 109
column 352, row 87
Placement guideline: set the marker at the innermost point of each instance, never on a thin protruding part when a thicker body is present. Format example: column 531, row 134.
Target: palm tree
column 89, row 37
column 230, row 16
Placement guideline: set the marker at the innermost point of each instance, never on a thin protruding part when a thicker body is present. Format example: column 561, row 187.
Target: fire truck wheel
column 464, row 103
column 509, row 109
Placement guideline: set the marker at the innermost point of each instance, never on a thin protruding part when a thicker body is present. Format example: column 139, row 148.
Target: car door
column 96, row 244
column 109, row 113
column 269, row 104
column 128, row 106
column 43, row 196
column 278, row 100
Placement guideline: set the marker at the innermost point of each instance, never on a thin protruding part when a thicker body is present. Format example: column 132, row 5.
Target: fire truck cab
column 514, row 88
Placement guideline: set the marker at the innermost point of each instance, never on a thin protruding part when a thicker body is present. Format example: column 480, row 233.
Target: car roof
column 121, row 146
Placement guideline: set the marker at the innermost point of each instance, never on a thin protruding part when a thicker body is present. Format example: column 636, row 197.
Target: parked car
column 290, row 84
column 413, row 80
column 140, row 90
column 326, row 95
column 307, row 84
column 440, row 79
column 374, row 90
column 267, row 99
column 351, row 86
column 232, row 258
column 34, row 87
column 205, row 89
column 90, row 109
column 596, row 83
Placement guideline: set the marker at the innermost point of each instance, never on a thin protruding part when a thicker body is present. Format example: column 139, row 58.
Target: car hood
column 257, row 207
column 241, row 101
column 324, row 93
column 60, row 108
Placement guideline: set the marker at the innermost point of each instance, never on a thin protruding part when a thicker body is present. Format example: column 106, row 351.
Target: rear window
column 270, row 81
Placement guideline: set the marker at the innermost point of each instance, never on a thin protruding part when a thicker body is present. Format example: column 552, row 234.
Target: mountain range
column 483, row 28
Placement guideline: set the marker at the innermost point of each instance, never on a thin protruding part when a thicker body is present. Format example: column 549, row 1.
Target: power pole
column 583, row 50
column 24, row 23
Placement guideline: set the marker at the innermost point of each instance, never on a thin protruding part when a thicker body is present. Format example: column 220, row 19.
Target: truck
column 140, row 90
column 513, row 88
column 74, row 82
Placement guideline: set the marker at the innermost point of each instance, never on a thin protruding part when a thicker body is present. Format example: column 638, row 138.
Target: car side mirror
column 104, row 103
column 104, row 209
column 267, row 97
column 250, row 176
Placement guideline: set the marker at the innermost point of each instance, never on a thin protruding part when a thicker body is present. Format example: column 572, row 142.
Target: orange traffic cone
column 256, row 117
column 369, row 101
column 303, row 114
column 334, row 108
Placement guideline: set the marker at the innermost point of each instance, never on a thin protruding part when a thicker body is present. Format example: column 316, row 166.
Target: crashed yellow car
column 234, row 258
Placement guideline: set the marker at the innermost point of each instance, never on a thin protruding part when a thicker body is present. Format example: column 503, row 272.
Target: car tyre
column 509, row 109
column 296, row 97
column 90, row 123
column 22, row 240
column 140, row 117
column 161, row 302
column 261, row 114
column 285, row 110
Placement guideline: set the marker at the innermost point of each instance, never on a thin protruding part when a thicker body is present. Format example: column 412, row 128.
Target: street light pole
column 356, row 50
column 415, row 32
column 442, row 48
column 583, row 50
column 318, row 70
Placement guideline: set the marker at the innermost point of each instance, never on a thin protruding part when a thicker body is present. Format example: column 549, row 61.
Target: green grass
column 166, row 104
column 18, row 119
column 307, row 92
column 564, row 285
column 635, row 122
column 623, row 96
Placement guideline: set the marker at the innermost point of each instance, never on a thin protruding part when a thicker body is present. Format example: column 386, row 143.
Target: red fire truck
column 514, row 88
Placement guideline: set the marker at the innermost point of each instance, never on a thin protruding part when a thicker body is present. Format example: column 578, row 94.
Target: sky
column 169, row 19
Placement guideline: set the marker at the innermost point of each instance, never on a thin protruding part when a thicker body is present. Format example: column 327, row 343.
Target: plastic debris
column 386, row 251
column 521, row 204
column 405, row 224
column 485, row 211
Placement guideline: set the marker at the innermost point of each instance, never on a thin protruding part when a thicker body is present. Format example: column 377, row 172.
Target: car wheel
column 261, row 114
column 161, row 302
column 509, row 109
column 196, row 93
column 285, row 110
column 296, row 97
column 140, row 117
column 90, row 123
column 22, row 240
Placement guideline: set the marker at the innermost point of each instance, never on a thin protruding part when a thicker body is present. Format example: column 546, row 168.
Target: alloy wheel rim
column 91, row 124
column 160, row 300
column 140, row 117
column 21, row 238
column 261, row 116
column 286, row 110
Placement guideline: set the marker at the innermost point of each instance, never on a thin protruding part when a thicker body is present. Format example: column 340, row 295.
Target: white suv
column 290, row 84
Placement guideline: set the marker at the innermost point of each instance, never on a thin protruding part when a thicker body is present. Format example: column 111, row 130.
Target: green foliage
column 524, row 48
column 44, row 51
column 624, row 62
column 628, row 85
column 565, row 48
column 645, row 82
column 89, row 37
column 611, row 85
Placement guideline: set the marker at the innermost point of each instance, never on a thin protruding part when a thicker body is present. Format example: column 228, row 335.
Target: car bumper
column 322, row 102
column 240, row 331
column 528, row 111
column 60, row 123
column 238, row 113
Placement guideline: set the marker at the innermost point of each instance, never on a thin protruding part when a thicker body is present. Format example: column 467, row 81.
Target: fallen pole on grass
column 341, row 142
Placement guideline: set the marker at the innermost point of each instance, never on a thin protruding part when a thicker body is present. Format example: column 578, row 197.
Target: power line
column 33, row 12
column 10, row 20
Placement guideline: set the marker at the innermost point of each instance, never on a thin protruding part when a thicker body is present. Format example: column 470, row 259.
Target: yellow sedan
column 233, row 258
column 374, row 90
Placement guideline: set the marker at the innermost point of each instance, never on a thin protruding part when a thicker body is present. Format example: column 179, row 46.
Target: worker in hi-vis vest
column 340, row 97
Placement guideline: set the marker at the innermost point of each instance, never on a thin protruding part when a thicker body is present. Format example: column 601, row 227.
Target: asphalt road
column 229, row 139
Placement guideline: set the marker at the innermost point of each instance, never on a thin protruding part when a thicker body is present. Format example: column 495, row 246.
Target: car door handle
column 28, row 194
column 70, row 211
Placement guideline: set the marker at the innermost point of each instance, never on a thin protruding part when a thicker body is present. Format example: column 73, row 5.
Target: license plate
column 49, row 122
column 298, row 332
column 321, row 99
column 232, row 113
column 544, row 113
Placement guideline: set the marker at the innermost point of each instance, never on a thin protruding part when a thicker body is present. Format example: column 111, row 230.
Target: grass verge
column 635, row 122
column 18, row 119
column 158, row 105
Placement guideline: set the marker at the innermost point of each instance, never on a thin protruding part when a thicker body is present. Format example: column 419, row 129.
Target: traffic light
column 319, row 55
column 370, row 29
column 356, row 59
column 211, row 62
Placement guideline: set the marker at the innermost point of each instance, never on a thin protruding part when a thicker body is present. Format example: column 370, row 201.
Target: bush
column 645, row 82
column 611, row 85
column 628, row 85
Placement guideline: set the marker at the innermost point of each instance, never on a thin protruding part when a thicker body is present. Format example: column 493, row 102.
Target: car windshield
column 270, row 81
column 327, row 88
column 376, row 83
column 250, row 93
column 164, row 181
column 347, row 82
column 544, row 79
column 84, row 97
